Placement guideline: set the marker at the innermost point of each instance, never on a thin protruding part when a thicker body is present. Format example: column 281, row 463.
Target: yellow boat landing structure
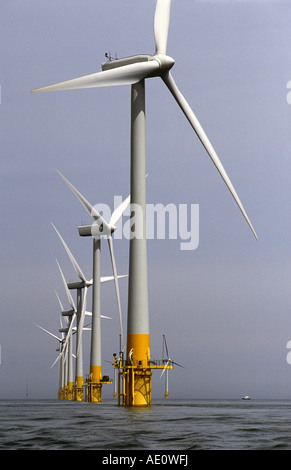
column 134, row 380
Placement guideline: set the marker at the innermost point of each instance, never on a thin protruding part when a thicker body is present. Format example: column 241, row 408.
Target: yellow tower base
column 94, row 385
column 137, row 373
column 64, row 392
column 137, row 386
column 134, row 381
column 79, row 389
column 70, row 391
column 94, row 392
column 61, row 394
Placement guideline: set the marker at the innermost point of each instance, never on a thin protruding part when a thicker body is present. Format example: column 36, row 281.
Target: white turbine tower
column 99, row 228
column 133, row 71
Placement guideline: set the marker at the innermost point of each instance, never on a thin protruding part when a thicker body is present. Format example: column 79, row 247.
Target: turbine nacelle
column 63, row 330
column 113, row 64
column 96, row 230
column 79, row 284
column 68, row 313
column 165, row 63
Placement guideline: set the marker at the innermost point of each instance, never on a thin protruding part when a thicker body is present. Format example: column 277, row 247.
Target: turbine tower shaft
column 79, row 391
column 138, row 385
column 94, row 384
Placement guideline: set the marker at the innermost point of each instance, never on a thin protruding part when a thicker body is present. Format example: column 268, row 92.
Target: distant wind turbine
column 81, row 307
column 169, row 362
column 67, row 349
column 61, row 344
column 99, row 228
column 84, row 283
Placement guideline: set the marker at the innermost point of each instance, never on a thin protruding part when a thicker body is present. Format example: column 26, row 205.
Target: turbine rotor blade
column 89, row 208
column 57, row 359
column 70, row 298
column 110, row 243
column 82, row 319
column 176, row 364
column 166, row 365
column 68, row 336
column 170, row 83
column 166, row 347
column 161, row 25
column 77, row 268
column 123, row 75
column 61, row 305
column 117, row 213
column 51, row 334
column 111, row 278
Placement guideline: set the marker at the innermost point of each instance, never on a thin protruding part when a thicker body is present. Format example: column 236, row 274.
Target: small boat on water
column 246, row 397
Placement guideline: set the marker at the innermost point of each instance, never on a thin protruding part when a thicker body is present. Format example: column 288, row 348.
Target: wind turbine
column 134, row 71
column 61, row 340
column 167, row 365
column 63, row 363
column 78, row 392
column 83, row 284
column 81, row 309
column 99, row 228
column 63, row 359
column 67, row 349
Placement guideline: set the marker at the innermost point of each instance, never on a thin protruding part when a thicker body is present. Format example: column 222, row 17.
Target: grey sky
column 224, row 307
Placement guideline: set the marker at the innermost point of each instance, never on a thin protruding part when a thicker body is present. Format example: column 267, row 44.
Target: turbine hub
column 166, row 62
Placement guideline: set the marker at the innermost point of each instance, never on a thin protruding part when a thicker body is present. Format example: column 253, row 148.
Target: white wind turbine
column 99, row 228
column 168, row 362
column 61, row 357
column 83, row 284
column 72, row 315
column 63, row 331
column 133, row 71
column 80, row 313
column 61, row 341
column 67, row 347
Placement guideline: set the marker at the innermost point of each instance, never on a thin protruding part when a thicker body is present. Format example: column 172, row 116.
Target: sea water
column 167, row 425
